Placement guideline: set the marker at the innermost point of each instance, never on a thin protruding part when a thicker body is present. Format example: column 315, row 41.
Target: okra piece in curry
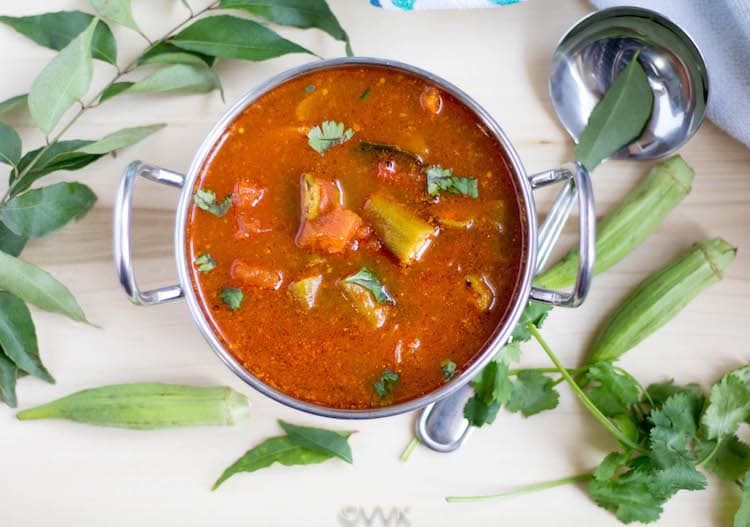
column 356, row 246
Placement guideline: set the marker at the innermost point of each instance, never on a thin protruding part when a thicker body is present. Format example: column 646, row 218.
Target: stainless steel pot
column 526, row 183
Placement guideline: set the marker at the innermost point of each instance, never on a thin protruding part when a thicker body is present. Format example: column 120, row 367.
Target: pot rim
column 494, row 343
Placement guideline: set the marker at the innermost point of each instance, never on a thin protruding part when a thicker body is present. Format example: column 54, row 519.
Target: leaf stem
column 710, row 455
column 92, row 103
column 622, row 438
column 409, row 449
column 523, row 490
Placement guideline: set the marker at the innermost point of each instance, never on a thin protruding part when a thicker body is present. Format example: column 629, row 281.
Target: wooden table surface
column 56, row 473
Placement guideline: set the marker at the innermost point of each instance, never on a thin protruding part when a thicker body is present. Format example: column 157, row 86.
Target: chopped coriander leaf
column 388, row 380
column 309, row 88
column 449, row 369
column 328, row 134
column 372, row 283
column 441, row 180
column 205, row 262
column 206, row 200
column 365, row 93
column 533, row 392
column 232, row 297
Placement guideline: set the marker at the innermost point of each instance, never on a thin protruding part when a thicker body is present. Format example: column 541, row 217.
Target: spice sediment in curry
column 445, row 303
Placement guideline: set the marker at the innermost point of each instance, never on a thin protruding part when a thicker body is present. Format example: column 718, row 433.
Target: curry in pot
column 356, row 237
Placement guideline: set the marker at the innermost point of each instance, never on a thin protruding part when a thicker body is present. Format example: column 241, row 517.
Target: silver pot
column 538, row 241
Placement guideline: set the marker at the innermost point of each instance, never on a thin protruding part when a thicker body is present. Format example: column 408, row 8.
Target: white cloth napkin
column 721, row 29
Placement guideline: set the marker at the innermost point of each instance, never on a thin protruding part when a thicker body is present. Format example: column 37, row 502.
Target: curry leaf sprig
column 180, row 61
column 302, row 445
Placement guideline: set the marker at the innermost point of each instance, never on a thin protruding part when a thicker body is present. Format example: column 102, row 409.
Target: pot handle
column 577, row 184
column 122, row 210
column 441, row 425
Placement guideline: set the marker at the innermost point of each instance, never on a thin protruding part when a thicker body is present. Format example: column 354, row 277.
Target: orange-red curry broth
column 448, row 299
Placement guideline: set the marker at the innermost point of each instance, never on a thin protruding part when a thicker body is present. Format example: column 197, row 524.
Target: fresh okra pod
column 631, row 222
column 660, row 297
column 144, row 406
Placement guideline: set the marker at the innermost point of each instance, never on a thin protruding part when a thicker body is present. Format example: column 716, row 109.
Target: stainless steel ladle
column 586, row 61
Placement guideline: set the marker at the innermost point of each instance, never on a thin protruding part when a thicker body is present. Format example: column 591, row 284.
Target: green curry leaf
column 57, row 30
column 64, row 81
column 297, row 13
column 283, row 450
column 36, row 286
column 120, row 139
column 234, row 38
column 320, row 440
column 178, row 78
column 8, row 377
column 117, row 11
column 10, row 145
column 18, row 336
column 40, row 211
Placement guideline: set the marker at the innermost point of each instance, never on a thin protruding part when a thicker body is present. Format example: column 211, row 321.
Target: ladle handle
column 441, row 425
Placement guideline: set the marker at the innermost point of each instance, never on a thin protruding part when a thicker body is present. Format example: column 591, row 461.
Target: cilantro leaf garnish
column 534, row 312
column 365, row 93
column 327, row 135
column 533, row 392
column 205, row 262
column 372, row 283
column 448, row 368
column 441, row 180
column 206, row 200
column 492, row 387
column 612, row 392
column 384, row 386
column 729, row 405
column 232, row 297
column 309, row 88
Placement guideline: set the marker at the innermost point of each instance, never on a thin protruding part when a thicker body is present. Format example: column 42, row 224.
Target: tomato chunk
column 330, row 232
column 245, row 198
column 256, row 276
column 431, row 100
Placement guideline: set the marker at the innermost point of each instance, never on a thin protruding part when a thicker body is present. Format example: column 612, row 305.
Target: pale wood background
column 57, row 473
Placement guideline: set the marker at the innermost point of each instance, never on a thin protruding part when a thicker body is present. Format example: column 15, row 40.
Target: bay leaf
column 619, row 117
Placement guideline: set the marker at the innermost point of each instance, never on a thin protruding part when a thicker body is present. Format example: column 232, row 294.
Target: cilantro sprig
column 327, row 135
column 384, row 386
column 668, row 434
column 441, row 180
column 206, row 200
